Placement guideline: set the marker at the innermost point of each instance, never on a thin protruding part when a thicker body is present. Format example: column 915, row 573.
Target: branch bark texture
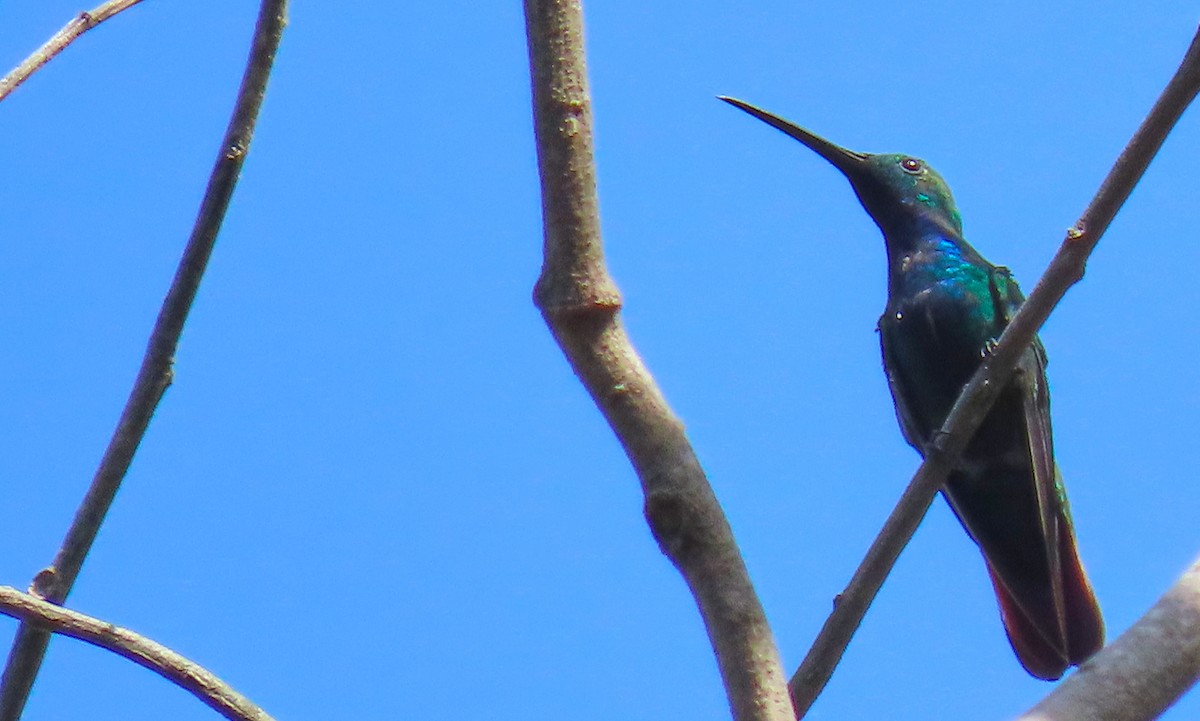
column 78, row 26
column 580, row 304
column 977, row 397
column 202, row 684
column 55, row 582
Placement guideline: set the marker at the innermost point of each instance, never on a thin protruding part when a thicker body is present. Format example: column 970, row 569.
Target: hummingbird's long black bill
column 847, row 161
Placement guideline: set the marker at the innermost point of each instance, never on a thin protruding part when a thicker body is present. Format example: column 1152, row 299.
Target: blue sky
column 377, row 491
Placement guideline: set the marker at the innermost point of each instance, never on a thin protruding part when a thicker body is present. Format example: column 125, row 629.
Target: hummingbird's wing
column 1031, row 376
column 1075, row 631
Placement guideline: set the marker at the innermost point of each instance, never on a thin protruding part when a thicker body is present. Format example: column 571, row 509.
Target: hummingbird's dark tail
column 1037, row 641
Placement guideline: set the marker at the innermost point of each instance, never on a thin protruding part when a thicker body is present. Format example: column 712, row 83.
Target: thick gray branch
column 580, row 303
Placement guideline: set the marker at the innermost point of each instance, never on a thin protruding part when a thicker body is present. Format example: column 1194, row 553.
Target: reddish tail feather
column 1036, row 641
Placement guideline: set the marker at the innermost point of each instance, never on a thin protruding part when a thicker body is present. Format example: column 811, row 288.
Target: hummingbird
column 946, row 306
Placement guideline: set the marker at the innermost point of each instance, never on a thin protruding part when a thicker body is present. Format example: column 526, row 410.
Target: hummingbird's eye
column 911, row 165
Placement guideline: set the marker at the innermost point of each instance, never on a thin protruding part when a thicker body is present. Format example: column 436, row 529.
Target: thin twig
column 976, row 399
column 580, row 304
column 55, row 582
column 202, row 684
column 78, row 26
column 1139, row 675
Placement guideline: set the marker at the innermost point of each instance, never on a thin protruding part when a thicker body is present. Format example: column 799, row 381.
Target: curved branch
column 55, row 582
column 78, row 26
column 1066, row 269
column 580, row 304
column 202, row 684
column 1139, row 675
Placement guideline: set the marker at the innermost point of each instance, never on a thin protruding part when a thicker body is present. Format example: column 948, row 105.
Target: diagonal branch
column 55, row 582
column 1139, row 675
column 78, row 26
column 1066, row 269
column 200, row 682
column 580, row 304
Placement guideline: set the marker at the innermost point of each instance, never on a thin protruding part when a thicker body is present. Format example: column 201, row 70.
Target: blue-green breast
column 941, row 314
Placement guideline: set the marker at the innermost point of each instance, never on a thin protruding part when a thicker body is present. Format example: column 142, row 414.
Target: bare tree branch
column 202, row 684
column 78, row 26
column 1139, row 675
column 580, row 304
column 55, row 582
column 1066, row 269
column 851, row 605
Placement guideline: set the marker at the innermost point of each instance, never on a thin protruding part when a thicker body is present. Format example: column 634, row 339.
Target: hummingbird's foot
column 989, row 347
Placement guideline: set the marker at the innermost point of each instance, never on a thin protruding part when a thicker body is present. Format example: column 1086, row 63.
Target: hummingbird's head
column 891, row 185
column 897, row 190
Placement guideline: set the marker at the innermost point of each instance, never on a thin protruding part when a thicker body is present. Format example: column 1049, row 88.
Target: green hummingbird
column 946, row 305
